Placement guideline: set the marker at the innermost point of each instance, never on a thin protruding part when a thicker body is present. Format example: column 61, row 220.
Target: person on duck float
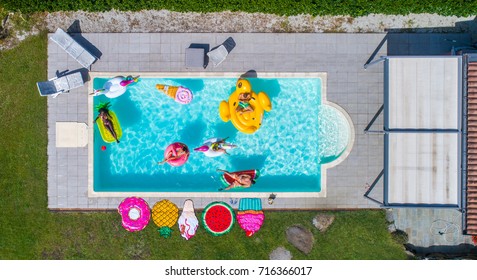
column 116, row 86
column 245, row 108
column 243, row 105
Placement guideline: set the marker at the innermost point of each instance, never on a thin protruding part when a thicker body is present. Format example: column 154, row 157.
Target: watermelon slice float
column 218, row 218
column 228, row 180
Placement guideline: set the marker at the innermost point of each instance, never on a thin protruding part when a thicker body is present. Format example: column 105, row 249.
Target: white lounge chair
column 75, row 50
column 58, row 85
column 218, row 55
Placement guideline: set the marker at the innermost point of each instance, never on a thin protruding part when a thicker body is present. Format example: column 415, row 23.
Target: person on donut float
column 180, row 151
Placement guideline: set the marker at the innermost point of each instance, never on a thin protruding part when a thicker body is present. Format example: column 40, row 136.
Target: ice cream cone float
column 180, row 94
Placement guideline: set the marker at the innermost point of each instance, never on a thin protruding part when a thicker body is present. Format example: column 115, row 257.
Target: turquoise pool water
column 296, row 137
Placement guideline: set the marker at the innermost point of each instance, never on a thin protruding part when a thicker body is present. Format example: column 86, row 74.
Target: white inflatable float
column 116, row 86
column 215, row 147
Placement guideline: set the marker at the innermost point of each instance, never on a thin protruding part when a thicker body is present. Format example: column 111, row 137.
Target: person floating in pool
column 243, row 105
column 106, row 118
column 241, row 181
column 180, row 151
column 218, row 146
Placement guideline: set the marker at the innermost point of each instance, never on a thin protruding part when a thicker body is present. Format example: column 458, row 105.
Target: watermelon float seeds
column 218, row 218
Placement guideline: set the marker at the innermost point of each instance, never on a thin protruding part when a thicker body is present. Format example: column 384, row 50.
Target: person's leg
column 248, row 109
column 110, row 127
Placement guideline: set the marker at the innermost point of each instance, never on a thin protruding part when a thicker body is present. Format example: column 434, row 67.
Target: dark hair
column 185, row 148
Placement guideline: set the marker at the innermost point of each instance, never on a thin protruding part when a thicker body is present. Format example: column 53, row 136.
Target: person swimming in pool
column 241, row 181
column 243, row 105
column 106, row 118
column 180, row 151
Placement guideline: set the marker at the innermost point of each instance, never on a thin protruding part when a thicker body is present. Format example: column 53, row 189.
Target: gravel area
column 233, row 22
column 230, row 22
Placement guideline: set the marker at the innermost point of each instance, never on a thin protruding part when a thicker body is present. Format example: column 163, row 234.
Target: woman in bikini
column 180, row 151
column 218, row 146
column 106, row 118
column 243, row 105
column 240, row 181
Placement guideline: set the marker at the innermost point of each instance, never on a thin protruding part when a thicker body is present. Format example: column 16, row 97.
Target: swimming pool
column 299, row 137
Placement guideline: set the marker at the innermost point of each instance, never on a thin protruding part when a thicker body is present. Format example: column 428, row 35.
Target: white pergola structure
column 422, row 131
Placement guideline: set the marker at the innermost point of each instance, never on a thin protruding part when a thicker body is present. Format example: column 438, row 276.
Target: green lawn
column 29, row 231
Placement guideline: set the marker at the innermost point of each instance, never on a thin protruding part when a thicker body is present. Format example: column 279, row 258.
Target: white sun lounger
column 58, row 85
column 218, row 55
column 75, row 50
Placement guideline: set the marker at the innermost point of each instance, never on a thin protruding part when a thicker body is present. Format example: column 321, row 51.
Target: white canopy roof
column 422, row 112
column 423, row 92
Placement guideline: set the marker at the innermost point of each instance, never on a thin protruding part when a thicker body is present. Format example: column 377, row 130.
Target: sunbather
column 218, row 146
column 243, row 105
column 106, row 118
column 240, row 181
column 179, row 152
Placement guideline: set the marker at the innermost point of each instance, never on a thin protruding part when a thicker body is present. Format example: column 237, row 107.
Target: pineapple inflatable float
column 165, row 215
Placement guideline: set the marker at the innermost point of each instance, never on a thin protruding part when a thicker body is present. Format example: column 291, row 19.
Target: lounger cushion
column 218, row 55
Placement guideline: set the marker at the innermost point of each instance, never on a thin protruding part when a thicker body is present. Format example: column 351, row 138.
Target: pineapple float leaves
column 165, row 232
column 165, row 215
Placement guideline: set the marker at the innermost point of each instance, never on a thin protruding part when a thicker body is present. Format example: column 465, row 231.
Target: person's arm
column 96, row 118
column 167, row 158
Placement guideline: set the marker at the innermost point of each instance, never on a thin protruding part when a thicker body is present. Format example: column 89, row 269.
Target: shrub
column 278, row 7
column 400, row 236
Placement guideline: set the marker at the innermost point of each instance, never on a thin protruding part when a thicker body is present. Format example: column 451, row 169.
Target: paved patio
column 341, row 56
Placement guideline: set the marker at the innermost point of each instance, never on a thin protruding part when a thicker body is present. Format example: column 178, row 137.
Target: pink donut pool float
column 183, row 95
column 172, row 151
column 135, row 213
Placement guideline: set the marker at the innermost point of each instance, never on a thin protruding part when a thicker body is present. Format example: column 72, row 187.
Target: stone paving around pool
column 342, row 56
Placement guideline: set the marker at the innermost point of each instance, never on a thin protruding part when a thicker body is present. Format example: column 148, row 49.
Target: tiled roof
column 472, row 149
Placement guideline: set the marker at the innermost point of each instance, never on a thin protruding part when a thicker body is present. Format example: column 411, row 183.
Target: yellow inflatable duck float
column 245, row 108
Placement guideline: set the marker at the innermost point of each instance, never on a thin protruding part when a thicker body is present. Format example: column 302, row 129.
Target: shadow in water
column 226, row 129
column 269, row 86
column 124, row 104
column 193, row 133
column 194, row 85
column 171, row 181
column 249, row 74
column 246, row 163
